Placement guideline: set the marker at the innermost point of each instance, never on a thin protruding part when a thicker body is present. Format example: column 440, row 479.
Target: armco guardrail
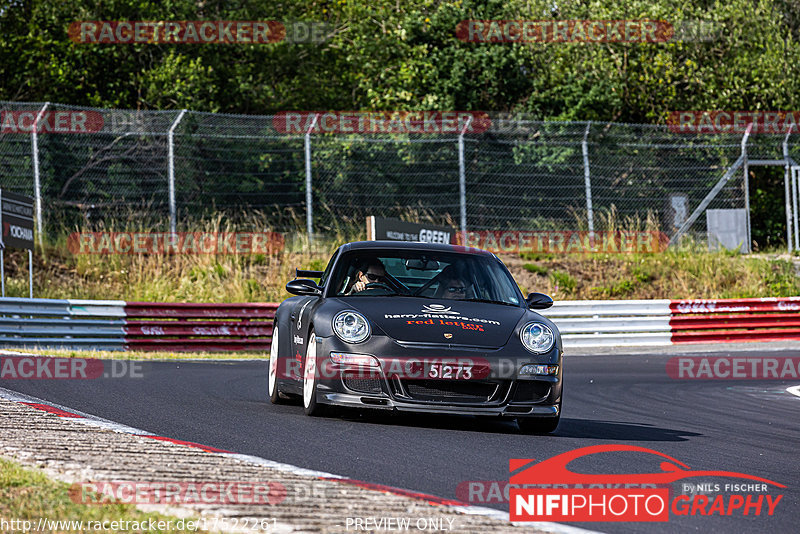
column 202, row 327
column 765, row 319
column 591, row 323
column 81, row 324
column 596, row 323
column 120, row 325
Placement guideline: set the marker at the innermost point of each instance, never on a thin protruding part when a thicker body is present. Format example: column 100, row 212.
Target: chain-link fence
column 102, row 166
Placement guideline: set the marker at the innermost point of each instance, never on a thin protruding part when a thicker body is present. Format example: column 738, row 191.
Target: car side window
column 328, row 269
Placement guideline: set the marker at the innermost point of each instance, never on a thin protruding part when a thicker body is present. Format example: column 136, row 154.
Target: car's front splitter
column 385, row 403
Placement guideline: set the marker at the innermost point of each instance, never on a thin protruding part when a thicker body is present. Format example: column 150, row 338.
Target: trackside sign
column 17, row 220
column 379, row 229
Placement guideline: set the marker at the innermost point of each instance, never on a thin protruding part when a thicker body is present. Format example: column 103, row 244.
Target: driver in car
column 371, row 271
column 452, row 285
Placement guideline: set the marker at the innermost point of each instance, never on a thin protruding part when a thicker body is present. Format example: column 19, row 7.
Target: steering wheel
column 379, row 285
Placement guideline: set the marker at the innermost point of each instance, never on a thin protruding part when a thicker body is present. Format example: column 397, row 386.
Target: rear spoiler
column 301, row 273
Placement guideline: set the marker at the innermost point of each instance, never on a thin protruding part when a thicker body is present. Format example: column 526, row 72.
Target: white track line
column 794, row 390
column 88, row 419
column 93, row 420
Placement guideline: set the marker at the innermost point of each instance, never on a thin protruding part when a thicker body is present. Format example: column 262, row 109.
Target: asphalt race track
column 751, row 427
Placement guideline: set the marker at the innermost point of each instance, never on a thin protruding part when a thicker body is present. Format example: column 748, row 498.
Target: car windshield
column 426, row 274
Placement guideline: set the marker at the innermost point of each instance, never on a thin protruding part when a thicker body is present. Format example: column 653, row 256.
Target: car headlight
column 537, row 337
column 351, row 326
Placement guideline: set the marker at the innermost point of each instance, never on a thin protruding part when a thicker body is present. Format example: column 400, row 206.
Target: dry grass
column 58, row 273
column 672, row 274
column 687, row 272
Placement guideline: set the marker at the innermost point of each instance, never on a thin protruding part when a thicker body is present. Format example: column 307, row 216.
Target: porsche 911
column 417, row 327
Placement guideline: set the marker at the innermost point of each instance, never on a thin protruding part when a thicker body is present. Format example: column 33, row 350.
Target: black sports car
column 417, row 327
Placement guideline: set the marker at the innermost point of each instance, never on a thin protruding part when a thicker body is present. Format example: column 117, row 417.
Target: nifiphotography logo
column 549, row 491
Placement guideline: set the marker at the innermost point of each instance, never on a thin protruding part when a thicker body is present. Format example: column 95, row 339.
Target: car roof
column 411, row 245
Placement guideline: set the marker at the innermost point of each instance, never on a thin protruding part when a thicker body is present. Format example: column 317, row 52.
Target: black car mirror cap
column 303, row 286
column 539, row 301
column 305, row 273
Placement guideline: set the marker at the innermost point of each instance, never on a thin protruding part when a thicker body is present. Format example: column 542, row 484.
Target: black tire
column 276, row 396
column 538, row 425
column 311, row 379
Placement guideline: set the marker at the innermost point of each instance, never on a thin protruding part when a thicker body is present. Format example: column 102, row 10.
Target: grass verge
column 28, row 495
column 674, row 274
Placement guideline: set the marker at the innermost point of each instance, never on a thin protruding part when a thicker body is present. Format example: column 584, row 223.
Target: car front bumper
column 543, row 399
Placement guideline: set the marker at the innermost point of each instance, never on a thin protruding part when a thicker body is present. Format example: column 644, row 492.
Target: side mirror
column 538, row 301
column 303, row 287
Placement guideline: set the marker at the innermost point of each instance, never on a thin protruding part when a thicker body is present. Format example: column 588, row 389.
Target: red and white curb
column 458, row 506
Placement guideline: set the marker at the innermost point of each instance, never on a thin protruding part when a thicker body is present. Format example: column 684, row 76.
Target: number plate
column 449, row 371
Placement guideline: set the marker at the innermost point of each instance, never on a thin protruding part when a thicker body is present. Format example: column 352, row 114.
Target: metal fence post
column 746, row 168
column 462, row 181
column 173, row 215
column 37, row 184
column 309, row 205
column 788, row 208
column 587, row 179
column 795, row 206
column 30, row 273
column 786, row 188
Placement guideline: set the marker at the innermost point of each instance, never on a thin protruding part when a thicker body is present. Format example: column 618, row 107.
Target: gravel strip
column 74, row 452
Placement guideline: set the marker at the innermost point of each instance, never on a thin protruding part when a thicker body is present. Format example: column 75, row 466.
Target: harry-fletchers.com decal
column 549, row 491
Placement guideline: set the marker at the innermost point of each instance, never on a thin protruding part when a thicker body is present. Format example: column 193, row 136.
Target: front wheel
column 311, row 378
column 273, row 384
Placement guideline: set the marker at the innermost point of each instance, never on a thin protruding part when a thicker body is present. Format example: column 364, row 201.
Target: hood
column 457, row 322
